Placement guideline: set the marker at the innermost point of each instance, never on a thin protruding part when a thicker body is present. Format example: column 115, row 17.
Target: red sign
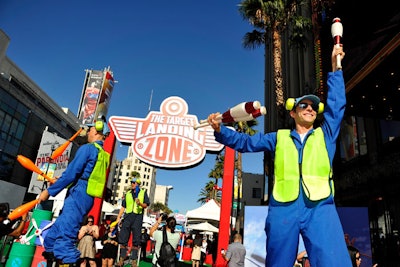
column 166, row 138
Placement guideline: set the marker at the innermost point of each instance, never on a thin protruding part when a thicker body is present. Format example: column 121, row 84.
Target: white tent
column 207, row 212
column 107, row 207
column 204, row 226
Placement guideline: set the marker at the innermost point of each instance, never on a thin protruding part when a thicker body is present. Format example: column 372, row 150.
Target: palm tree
column 209, row 192
column 271, row 18
column 243, row 127
column 218, row 171
column 159, row 207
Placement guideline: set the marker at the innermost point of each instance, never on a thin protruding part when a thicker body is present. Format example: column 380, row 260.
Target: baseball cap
column 313, row 98
column 105, row 131
column 135, row 180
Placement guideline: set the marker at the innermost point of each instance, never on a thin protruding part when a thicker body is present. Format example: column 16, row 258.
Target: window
column 256, row 193
column 13, row 117
column 348, row 138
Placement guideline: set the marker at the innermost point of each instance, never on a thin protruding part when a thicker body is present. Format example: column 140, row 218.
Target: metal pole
column 226, row 204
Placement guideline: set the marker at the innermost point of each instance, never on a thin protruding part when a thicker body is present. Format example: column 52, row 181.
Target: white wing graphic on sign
column 124, row 128
column 210, row 143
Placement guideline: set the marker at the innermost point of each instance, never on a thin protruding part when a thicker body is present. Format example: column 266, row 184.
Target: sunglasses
column 305, row 105
column 89, row 221
column 358, row 258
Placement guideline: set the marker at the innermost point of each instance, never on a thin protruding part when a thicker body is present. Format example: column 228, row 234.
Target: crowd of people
column 201, row 245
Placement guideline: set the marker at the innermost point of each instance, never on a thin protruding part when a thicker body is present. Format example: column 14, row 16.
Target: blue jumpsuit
column 62, row 236
column 317, row 221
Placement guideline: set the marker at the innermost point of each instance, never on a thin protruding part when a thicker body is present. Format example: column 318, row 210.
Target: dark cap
column 313, row 98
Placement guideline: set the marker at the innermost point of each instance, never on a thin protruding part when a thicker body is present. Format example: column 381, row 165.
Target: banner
column 105, row 96
column 90, row 96
column 354, row 220
column 53, row 168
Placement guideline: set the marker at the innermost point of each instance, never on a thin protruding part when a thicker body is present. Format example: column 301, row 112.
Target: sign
column 166, row 138
column 354, row 220
column 53, row 168
column 105, row 95
column 90, row 96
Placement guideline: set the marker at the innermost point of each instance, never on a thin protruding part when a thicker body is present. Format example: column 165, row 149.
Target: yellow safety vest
column 97, row 179
column 315, row 168
column 131, row 205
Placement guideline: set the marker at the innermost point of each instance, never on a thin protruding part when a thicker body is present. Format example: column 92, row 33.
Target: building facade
column 162, row 194
column 252, row 189
column 367, row 155
column 123, row 175
column 25, row 112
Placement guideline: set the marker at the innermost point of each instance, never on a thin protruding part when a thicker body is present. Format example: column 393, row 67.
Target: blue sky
column 190, row 49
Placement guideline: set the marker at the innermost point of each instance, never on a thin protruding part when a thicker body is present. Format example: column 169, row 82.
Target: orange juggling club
column 64, row 146
column 28, row 164
column 23, row 209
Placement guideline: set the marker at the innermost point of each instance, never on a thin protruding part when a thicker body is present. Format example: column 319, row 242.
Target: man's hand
column 337, row 50
column 214, row 122
column 44, row 196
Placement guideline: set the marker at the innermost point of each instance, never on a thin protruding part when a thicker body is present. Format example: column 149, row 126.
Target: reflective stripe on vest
column 315, row 168
column 131, row 205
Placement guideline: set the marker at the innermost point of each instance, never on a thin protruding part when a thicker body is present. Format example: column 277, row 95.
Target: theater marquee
column 166, row 138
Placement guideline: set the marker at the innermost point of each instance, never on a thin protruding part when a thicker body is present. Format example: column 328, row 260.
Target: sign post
column 226, row 204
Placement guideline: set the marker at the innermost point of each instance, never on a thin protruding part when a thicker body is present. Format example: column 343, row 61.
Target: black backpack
column 167, row 257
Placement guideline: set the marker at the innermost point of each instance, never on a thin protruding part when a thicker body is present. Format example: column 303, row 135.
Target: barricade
column 20, row 255
column 38, row 259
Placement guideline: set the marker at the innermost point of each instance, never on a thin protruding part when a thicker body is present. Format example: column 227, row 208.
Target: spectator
column 214, row 248
column 110, row 246
column 85, row 180
column 144, row 238
column 188, row 240
column 11, row 228
column 236, row 252
column 355, row 256
column 103, row 227
column 133, row 206
column 302, row 196
column 204, row 250
column 86, row 236
column 173, row 238
column 196, row 251
column 302, row 260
